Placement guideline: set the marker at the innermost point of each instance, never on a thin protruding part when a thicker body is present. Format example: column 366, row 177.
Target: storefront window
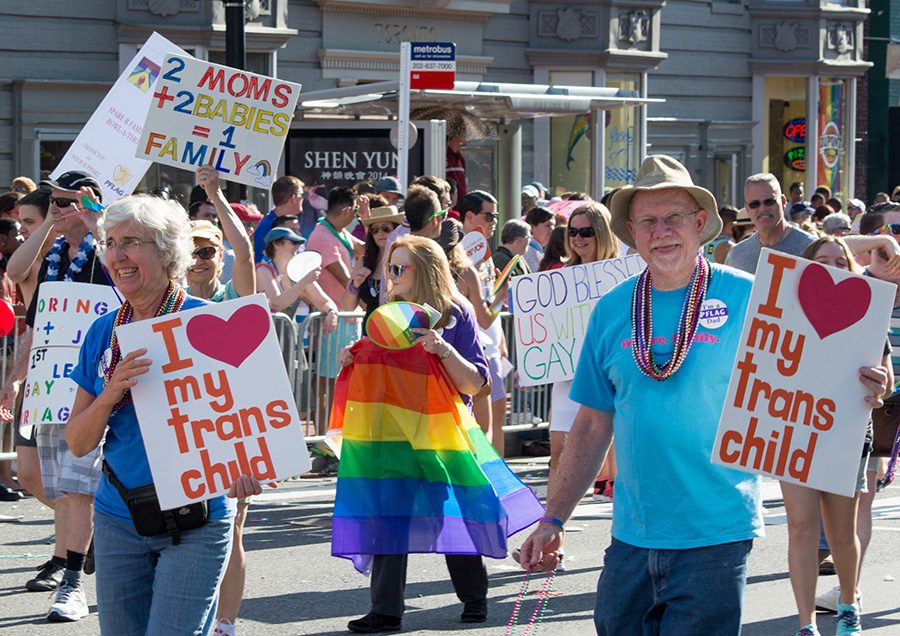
column 622, row 144
column 784, row 154
column 570, row 141
column 831, row 146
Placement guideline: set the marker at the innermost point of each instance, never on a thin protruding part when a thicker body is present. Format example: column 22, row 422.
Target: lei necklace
column 642, row 323
column 54, row 256
column 172, row 301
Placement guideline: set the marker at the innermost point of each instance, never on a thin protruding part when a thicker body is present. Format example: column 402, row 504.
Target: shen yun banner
column 795, row 407
column 551, row 311
column 216, row 402
column 206, row 114
column 65, row 311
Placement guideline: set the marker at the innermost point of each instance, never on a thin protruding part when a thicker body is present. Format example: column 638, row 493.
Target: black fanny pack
column 151, row 521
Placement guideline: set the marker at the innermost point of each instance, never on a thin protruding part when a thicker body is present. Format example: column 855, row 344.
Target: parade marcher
column 765, row 203
column 419, row 272
column 542, row 223
column 145, row 585
column 671, row 569
column 804, row 506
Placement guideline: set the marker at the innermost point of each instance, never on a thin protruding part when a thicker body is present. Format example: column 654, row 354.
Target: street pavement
column 295, row 587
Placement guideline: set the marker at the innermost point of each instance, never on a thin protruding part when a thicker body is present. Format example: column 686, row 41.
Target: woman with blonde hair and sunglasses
column 418, row 272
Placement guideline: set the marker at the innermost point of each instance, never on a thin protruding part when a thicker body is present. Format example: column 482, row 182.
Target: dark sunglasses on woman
column 583, row 232
column 206, row 253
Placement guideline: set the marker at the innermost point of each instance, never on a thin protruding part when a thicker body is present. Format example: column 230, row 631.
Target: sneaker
column 561, row 566
column 848, row 620
column 808, row 630
column 603, row 491
column 48, row 578
column 70, row 604
column 373, row 623
column 474, row 612
column 828, row 601
column 223, row 627
column 10, row 494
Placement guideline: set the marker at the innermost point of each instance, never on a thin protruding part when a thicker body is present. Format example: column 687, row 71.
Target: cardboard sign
column 475, row 244
column 206, row 114
column 105, row 147
column 64, row 313
column 205, row 416
column 551, row 311
column 795, row 408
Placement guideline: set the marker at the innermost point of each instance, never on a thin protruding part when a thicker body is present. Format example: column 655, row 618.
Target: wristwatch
column 447, row 351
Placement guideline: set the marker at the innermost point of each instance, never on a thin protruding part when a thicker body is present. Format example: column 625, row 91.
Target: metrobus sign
column 432, row 65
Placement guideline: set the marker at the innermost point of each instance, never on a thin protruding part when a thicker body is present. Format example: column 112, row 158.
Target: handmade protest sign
column 207, row 114
column 205, row 415
column 795, row 407
column 106, row 145
column 65, row 311
column 551, row 311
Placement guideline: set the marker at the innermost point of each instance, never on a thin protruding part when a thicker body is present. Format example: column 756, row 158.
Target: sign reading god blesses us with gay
column 795, row 408
column 207, row 114
column 216, row 402
column 551, row 311
column 63, row 315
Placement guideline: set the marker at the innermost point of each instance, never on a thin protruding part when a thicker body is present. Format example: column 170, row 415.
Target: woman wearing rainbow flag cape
column 417, row 474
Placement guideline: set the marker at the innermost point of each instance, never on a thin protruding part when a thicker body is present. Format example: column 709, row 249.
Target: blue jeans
column 644, row 592
column 146, row 586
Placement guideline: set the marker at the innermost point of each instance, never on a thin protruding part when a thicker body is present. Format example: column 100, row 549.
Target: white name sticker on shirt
column 713, row 313
column 105, row 361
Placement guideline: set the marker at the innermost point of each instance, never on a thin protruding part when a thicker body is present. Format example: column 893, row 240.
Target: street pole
column 235, row 57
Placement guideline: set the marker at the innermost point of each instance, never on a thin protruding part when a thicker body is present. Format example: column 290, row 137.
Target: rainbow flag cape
column 417, row 474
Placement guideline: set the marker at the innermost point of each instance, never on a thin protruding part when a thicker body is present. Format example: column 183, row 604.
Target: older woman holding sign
column 157, row 571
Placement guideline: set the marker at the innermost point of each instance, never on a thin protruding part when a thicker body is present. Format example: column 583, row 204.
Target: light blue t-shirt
column 123, row 448
column 668, row 493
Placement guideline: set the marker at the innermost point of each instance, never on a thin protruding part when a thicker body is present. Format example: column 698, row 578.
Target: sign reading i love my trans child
column 795, row 408
column 207, row 114
column 216, row 402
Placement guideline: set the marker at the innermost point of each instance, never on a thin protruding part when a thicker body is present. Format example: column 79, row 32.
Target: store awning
column 490, row 101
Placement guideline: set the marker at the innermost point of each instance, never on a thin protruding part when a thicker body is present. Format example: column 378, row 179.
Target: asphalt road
column 295, row 587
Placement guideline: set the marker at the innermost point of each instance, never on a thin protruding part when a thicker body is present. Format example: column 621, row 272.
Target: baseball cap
column 537, row 185
column 73, row 181
column 801, row 208
column 531, row 191
column 856, row 203
column 206, row 230
column 279, row 233
column 388, row 184
column 245, row 214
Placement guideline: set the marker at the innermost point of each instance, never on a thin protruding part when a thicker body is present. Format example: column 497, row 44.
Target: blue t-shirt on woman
column 123, row 448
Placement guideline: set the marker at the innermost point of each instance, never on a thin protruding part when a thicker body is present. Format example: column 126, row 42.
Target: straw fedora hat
column 657, row 173
column 384, row 214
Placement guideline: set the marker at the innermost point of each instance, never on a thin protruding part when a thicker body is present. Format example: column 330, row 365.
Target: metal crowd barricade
column 311, row 361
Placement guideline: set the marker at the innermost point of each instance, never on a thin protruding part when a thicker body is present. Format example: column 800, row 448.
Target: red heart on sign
column 829, row 306
column 230, row 341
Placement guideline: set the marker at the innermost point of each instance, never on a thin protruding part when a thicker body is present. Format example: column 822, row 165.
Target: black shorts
column 21, row 440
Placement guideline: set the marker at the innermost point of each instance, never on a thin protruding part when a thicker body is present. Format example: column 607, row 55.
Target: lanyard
column 340, row 235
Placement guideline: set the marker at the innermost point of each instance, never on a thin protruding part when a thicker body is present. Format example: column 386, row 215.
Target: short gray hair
column 764, row 177
column 166, row 221
column 835, row 222
column 513, row 230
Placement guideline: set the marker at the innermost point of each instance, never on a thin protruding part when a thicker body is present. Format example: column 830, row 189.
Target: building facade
column 747, row 86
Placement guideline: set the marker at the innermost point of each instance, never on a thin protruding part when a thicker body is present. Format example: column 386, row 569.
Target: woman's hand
column 345, row 357
column 331, row 321
column 247, row 486
column 875, row 379
column 209, row 180
column 125, row 377
column 432, row 342
column 359, row 274
column 310, row 277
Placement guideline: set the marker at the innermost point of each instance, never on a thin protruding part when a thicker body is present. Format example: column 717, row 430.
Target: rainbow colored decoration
column 263, row 168
column 830, row 147
column 417, row 474
column 390, row 325
column 505, row 274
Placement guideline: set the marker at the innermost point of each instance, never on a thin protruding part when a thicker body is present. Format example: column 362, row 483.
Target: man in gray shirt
column 765, row 204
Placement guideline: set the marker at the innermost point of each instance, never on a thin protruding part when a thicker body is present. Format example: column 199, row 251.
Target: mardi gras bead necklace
column 538, row 614
column 172, row 301
column 642, row 323
column 54, row 256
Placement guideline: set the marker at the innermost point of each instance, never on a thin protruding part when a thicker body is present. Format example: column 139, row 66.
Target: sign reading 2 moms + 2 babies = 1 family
column 795, row 408
column 207, row 114
column 205, row 415
column 551, row 311
column 64, row 312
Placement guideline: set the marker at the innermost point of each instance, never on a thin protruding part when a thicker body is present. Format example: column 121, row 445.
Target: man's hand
column 209, row 180
column 875, row 379
column 541, row 549
column 8, row 400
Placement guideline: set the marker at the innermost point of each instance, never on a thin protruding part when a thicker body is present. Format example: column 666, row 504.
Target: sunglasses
column 437, row 214
column 377, row 229
column 396, row 271
column 490, row 217
column 583, row 232
column 62, row 202
column 893, row 228
column 206, row 253
column 766, row 202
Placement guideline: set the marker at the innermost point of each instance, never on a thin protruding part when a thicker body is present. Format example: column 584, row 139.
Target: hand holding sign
column 303, row 264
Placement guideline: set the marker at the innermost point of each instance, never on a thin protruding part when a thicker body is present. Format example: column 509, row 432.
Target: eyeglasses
column 766, row 202
column 436, row 214
column 675, row 221
column 490, row 217
column 396, row 271
column 205, row 253
column 893, row 228
column 583, row 232
column 63, row 202
column 128, row 245
column 378, row 229
column 21, row 189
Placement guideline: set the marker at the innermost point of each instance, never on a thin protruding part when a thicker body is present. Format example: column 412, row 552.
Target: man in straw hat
column 674, row 566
